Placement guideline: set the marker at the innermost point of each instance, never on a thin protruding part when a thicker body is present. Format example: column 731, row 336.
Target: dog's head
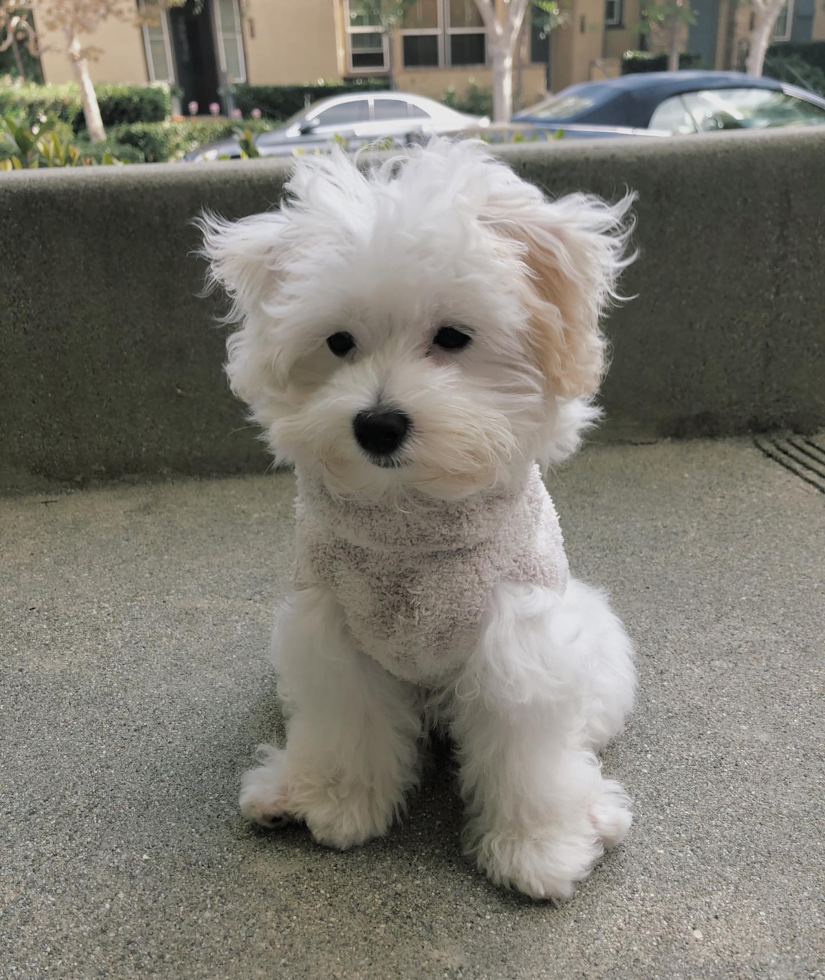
column 433, row 323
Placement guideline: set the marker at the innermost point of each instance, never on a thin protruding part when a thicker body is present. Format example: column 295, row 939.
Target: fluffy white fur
column 441, row 236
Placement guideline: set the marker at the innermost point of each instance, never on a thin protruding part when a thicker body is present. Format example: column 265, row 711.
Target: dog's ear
column 573, row 251
column 244, row 257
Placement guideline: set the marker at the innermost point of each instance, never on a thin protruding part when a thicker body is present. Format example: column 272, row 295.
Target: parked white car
column 359, row 118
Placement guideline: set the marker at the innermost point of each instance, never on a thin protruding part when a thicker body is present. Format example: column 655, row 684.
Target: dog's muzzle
column 381, row 432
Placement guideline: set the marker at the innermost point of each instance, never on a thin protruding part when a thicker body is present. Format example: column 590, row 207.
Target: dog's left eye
column 341, row 343
column 451, row 338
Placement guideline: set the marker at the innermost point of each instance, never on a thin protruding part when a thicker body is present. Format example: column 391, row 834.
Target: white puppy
column 417, row 340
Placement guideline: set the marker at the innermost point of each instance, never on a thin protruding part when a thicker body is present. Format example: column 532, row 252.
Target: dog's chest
column 414, row 592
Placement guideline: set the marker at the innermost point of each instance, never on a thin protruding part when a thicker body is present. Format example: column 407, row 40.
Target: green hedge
column 279, row 102
column 120, row 151
column 795, row 70
column 164, row 141
column 634, row 62
column 118, row 103
column 811, row 51
column 476, row 101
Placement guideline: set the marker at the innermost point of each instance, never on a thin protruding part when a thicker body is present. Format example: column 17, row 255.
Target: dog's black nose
column 382, row 431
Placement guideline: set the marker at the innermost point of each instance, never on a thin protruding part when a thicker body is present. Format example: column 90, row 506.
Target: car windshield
column 559, row 107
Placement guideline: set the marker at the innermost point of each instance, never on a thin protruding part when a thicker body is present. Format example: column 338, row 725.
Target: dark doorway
column 193, row 40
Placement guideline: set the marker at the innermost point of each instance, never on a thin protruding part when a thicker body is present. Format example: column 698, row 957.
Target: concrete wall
column 112, row 365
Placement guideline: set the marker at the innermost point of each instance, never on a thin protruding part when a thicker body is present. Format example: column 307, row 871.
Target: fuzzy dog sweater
column 415, row 578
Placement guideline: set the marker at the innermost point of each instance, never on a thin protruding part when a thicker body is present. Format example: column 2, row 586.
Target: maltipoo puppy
column 419, row 340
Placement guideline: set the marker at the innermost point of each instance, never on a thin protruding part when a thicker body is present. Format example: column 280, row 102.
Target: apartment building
column 441, row 44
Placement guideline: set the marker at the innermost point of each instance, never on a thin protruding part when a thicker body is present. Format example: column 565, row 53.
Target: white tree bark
column 503, row 32
column 766, row 13
column 675, row 45
column 88, row 97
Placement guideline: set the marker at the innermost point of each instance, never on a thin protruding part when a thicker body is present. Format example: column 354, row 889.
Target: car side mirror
column 307, row 126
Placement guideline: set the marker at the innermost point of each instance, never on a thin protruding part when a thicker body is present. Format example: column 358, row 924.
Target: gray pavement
column 133, row 686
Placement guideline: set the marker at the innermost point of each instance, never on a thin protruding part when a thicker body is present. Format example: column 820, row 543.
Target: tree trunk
column 502, row 84
column 730, row 35
column 88, row 98
column 673, row 53
column 391, row 59
column 760, row 37
column 18, row 60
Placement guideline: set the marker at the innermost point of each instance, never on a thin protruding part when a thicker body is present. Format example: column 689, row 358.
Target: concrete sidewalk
column 133, row 687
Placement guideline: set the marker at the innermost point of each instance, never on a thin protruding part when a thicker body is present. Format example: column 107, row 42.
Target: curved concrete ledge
column 111, row 365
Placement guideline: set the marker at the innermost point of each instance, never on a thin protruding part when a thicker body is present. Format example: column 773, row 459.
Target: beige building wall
column 432, row 82
column 617, row 40
column 577, row 45
column 301, row 41
column 121, row 57
column 818, row 30
column 291, row 42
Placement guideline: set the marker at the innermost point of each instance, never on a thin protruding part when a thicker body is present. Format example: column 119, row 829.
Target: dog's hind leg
column 353, row 734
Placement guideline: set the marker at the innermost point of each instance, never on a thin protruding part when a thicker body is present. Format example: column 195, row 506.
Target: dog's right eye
column 341, row 343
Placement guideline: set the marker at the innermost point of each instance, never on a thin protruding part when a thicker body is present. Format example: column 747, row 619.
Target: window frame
column 350, row 32
column 618, row 18
column 437, row 32
column 452, row 31
column 789, row 7
column 167, row 44
column 221, row 49
column 443, row 32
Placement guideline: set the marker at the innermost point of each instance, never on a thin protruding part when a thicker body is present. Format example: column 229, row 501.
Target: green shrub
column 795, row 70
column 813, row 52
column 279, row 102
column 476, row 100
column 164, row 141
column 634, row 62
column 97, row 152
column 7, row 150
column 47, row 143
column 133, row 103
column 118, row 103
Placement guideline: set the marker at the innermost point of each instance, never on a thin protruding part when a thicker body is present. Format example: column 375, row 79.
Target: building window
column 158, row 45
column 613, row 13
column 443, row 33
column 421, row 35
column 366, row 42
column 230, row 40
column 465, row 29
column 784, row 23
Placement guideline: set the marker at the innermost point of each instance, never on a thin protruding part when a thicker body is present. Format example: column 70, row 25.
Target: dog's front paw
column 546, row 865
column 610, row 815
column 346, row 816
column 548, row 862
column 264, row 798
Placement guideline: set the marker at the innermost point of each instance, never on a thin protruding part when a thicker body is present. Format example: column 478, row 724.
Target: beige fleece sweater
column 415, row 582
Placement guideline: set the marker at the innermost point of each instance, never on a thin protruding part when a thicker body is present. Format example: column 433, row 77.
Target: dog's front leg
column 540, row 813
column 353, row 732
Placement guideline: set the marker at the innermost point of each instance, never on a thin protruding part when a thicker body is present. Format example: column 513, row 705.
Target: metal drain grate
column 804, row 456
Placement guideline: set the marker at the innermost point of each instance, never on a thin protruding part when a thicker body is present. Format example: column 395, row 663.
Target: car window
column 345, row 113
column 673, row 116
column 414, row 112
column 747, row 108
column 559, row 107
column 389, row 109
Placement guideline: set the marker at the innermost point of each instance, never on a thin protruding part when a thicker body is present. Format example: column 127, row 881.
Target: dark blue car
column 679, row 103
